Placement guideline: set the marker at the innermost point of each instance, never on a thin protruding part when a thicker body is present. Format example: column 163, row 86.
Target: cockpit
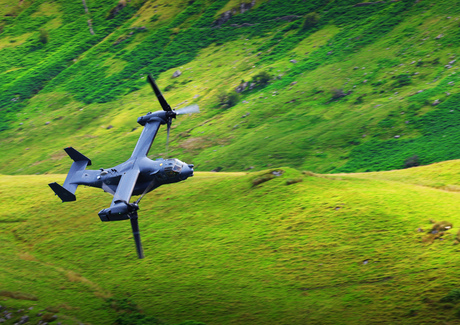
column 172, row 170
column 173, row 167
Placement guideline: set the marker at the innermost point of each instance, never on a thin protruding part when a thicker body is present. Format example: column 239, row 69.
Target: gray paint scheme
column 136, row 176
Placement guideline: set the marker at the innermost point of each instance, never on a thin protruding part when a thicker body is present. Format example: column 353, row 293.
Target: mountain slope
column 224, row 248
column 354, row 86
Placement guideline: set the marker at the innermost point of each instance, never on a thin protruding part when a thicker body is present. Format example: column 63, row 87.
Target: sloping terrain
column 325, row 88
column 236, row 248
column 338, row 86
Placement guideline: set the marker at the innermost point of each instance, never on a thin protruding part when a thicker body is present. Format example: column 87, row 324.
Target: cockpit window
column 170, row 173
column 173, row 168
column 177, row 167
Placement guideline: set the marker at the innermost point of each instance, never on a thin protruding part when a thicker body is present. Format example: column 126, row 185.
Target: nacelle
column 161, row 116
column 117, row 212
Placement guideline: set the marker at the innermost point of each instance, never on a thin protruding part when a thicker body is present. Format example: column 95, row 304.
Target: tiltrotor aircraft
column 136, row 176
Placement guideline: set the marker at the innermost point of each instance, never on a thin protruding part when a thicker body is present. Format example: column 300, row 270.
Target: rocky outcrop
column 85, row 6
column 226, row 16
column 242, row 25
column 121, row 4
column 90, row 26
column 245, row 86
column 367, row 3
column 242, row 87
column 289, row 18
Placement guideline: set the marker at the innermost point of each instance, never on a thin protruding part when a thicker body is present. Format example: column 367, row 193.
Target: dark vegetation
column 161, row 50
column 442, row 123
column 262, row 78
column 311, row 19
column 86, row 79
column 227, row 100
column 66, row 51
column 337, row 86
column 128, row 313
column 267, row 176
column 124, row 311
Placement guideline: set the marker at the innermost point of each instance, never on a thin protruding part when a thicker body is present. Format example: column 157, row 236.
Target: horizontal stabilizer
column 64, row 194
column 77, row 156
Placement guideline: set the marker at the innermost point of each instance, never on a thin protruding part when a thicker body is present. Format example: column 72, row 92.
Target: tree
column 43, row 37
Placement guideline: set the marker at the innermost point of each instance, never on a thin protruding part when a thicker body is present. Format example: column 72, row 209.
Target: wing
column 146, row 139
column 126, row 186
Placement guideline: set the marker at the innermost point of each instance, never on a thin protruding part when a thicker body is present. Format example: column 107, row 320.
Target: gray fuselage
column 153, row 173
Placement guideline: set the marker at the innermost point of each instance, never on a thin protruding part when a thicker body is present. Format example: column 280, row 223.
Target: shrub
column 338, row 93
column 311, row 20
column 452, row 296
column 359, row 99
column 228, row 100
column 43, row 37
column 129, row 314
column 114, row 11
column 440, row 227
column 267, row 176
column 293, row 181
column 154, row 18
column 262, row 179
column 18, row 295
column 412, row 161
column 262, row 78
column 402, row 80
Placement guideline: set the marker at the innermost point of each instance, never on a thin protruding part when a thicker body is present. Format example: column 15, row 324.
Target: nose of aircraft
column 187, row 171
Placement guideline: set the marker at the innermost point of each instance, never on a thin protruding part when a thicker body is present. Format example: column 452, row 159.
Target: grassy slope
column 222, row 251
column 218, row 249
column 346, row 52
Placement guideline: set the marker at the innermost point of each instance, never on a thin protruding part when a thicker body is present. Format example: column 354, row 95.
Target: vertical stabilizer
column 67, row 192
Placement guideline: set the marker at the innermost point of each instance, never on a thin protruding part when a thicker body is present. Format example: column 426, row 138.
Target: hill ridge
column 375, row 86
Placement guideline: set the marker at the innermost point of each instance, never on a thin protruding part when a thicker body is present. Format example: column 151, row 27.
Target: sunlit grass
column 242, row 252
column 295, row 123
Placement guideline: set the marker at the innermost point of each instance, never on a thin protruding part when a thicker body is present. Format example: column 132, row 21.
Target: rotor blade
column 147, row 189
column 188, row 110
column 157, row 91
column 136, row 234
column 107, row 188
column 167, row 137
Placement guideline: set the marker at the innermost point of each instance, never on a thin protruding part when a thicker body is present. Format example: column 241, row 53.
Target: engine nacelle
column 161, row 116
column 115, row 213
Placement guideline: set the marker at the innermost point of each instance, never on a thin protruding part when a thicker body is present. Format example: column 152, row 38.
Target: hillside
column 338, row 86
column 241, row 248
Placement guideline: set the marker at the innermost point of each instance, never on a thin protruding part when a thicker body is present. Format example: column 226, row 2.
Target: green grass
column 379, row 55
column 235, row 248
column 228, row 248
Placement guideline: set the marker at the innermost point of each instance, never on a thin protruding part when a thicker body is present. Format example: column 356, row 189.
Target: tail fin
column 64, row 195
column 77, row 156
column 67, row 192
